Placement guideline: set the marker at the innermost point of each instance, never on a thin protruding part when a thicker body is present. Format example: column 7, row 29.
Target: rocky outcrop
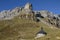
column 9, row 14
column 28, row 6
column 46, row 13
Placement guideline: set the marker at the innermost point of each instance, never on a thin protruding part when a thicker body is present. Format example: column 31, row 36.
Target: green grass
column 17, row 29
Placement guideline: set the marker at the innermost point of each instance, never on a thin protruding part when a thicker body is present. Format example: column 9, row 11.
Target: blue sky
column 50, row 5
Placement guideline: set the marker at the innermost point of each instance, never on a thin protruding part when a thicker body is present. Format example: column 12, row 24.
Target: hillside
column 24, row 23
column 17, row 29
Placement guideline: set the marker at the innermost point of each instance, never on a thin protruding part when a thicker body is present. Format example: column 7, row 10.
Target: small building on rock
column 41, row 33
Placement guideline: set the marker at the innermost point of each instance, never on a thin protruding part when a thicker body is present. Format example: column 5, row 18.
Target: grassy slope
column 17, row 29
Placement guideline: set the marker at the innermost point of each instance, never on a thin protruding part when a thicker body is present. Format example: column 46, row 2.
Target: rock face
column 28, row 6
column 45, row 13
column 9, row 14
column 27, row 12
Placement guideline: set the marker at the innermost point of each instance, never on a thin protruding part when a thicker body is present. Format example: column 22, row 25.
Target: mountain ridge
column 26, row 12
column 23, row 24
column 14, row 11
